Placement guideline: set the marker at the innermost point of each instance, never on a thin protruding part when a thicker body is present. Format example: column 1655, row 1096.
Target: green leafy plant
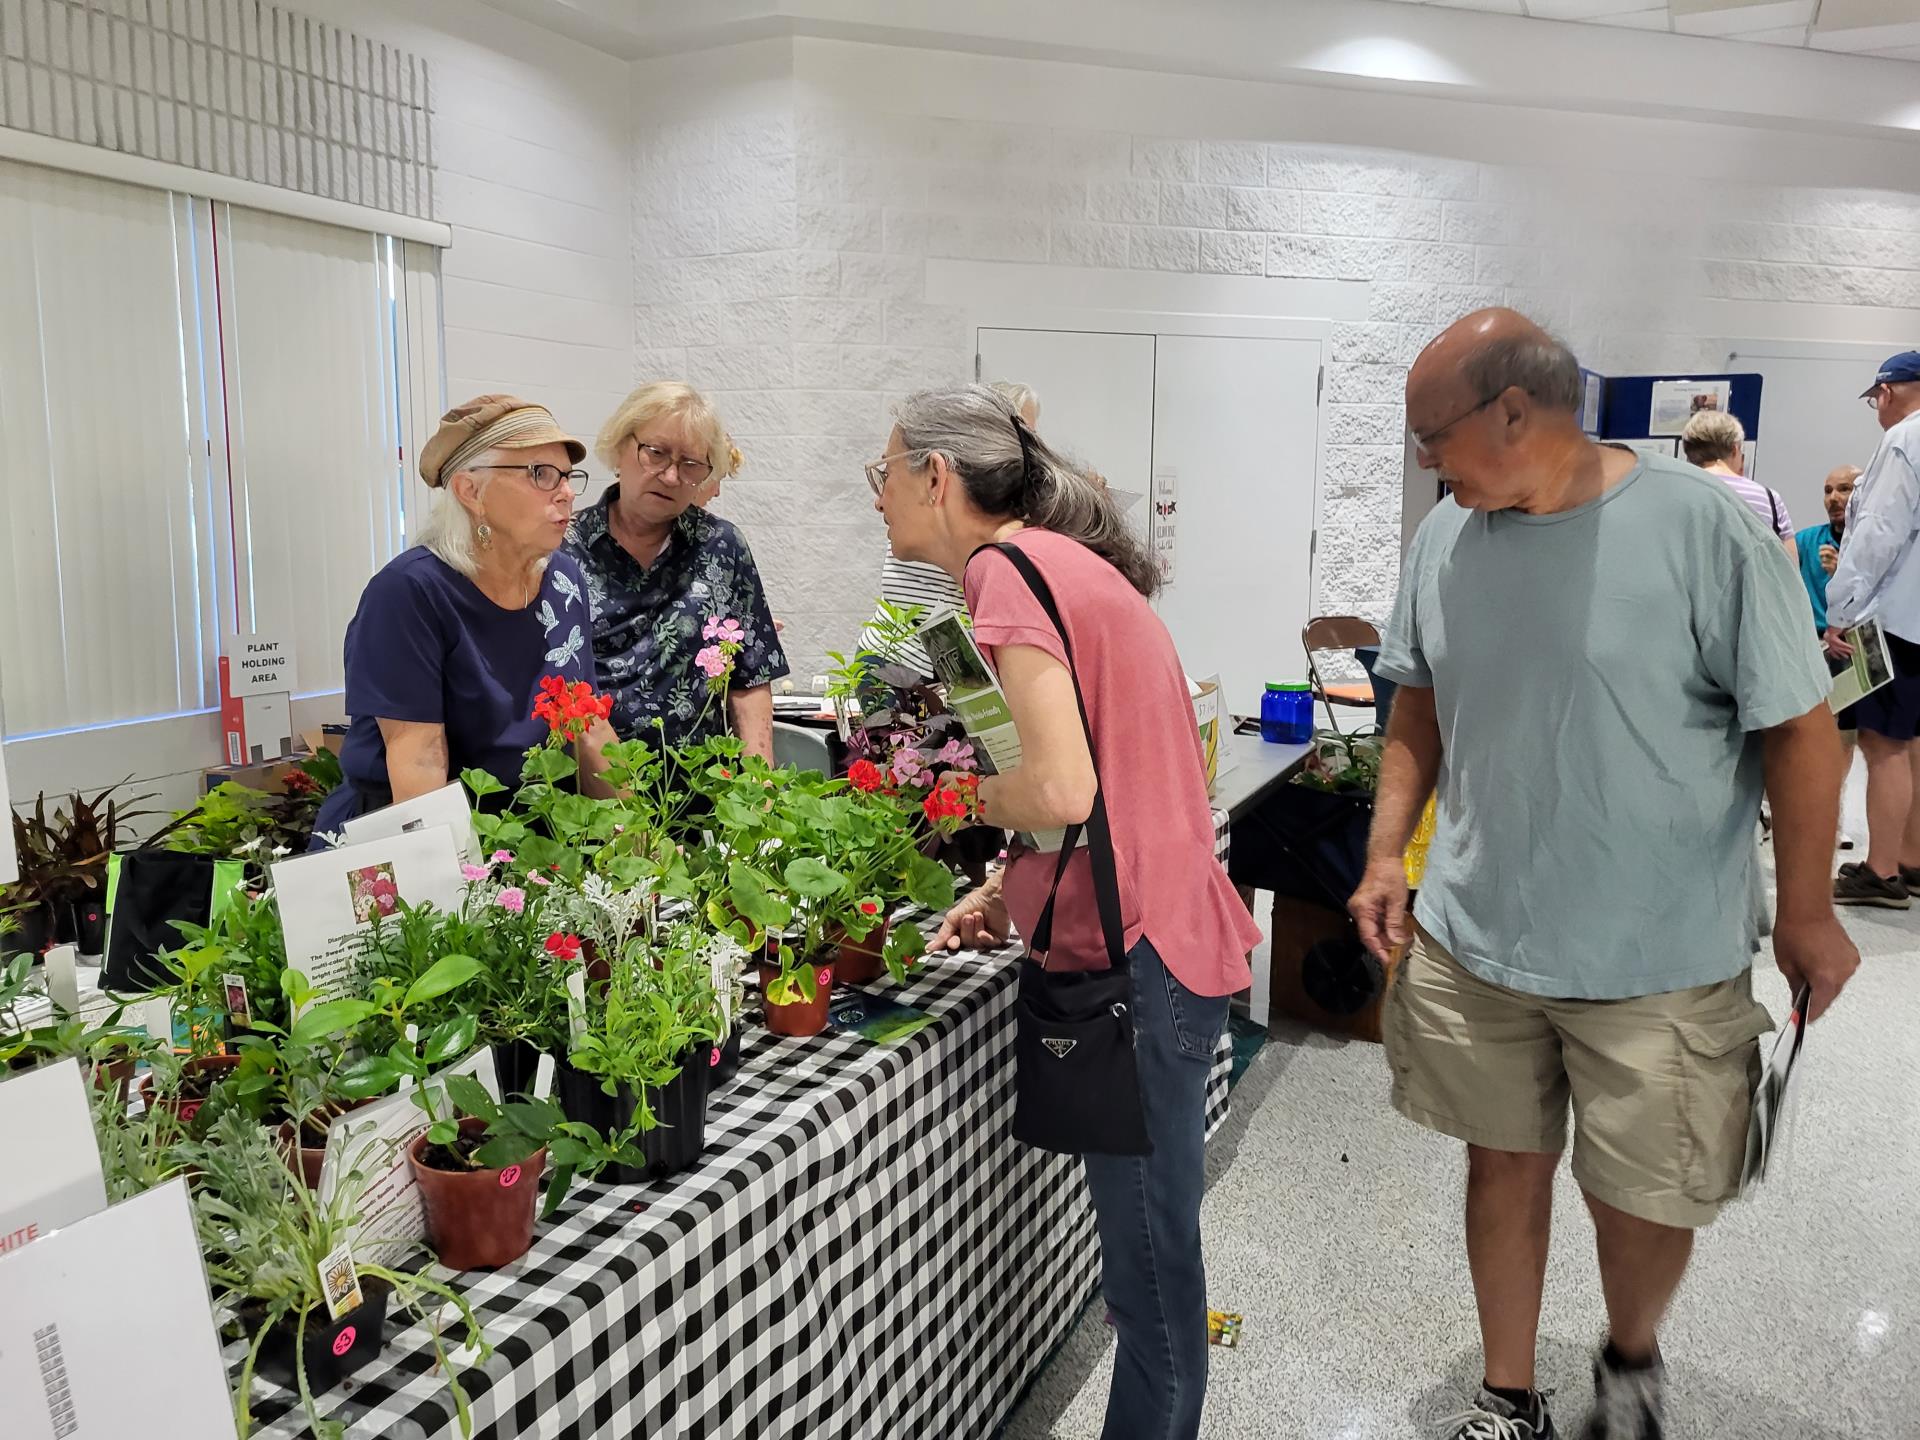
column 293, row 1072
column 139, row 1149
column 1343, row 764
column 265, row 1235
column 510, row 1129
column 389, row 1012
column 233, row 820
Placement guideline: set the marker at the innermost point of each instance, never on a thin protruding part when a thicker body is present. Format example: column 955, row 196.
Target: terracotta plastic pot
column 862, row 961
column 115, row 1074
column 801, row 1017
column 478, row 1219
column 679, row 1109
column 335, row 1349
column 312, row 1157
column 214, row 1068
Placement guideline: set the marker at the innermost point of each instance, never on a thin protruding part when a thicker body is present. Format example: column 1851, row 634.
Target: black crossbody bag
column 1077, row 1084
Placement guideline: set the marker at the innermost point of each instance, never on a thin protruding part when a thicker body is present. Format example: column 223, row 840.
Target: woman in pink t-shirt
column 961, row 471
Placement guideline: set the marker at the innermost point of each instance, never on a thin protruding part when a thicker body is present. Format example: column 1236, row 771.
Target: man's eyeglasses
column 657, row 461
column 1875, row 397
column 546, row 478
column 877, row 469
column 1432, row 437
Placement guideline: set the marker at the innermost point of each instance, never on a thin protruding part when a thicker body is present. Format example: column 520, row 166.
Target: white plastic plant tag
column 577, row 1003
column 157, row 1016
column 63, row 979
column 340, row 1281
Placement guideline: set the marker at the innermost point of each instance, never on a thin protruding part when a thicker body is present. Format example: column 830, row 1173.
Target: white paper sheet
column 446, row 806
column 1677, row 401
column 52, row 1176
column 374, row 1140
column 107, row 1329
column 328, row 899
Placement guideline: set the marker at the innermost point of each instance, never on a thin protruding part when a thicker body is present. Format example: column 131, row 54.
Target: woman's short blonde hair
column 659, row 400
column 1712, row 435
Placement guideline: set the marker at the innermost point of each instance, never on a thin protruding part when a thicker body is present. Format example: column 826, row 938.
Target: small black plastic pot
column 728, row 1064
column 335, row 1348
column 515, row 1063
column 679, row 1109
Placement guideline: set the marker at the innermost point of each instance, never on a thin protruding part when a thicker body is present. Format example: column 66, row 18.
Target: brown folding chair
column 1338, row 632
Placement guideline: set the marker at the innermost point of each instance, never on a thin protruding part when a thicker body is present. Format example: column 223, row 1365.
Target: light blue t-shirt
column 1599, row 677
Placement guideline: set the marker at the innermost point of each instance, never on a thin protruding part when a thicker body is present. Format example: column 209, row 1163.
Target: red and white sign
column 53, row 1177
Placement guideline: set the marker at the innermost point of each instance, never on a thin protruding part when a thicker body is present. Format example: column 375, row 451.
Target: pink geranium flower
column 957, row 755
column 513, row 900
column 712, row 662
column 726, row 631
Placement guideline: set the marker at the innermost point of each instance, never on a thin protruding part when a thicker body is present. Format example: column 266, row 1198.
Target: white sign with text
column 259, row 664
column 52, row 1177
column 330, row 899
column 107, row 1329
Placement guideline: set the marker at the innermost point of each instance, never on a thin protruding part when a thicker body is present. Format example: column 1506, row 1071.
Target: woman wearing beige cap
column 445, row 655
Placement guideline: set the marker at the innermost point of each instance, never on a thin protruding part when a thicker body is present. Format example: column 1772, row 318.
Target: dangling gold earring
column 483, row 532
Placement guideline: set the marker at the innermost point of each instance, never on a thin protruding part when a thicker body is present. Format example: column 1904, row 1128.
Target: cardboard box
column 267, row 775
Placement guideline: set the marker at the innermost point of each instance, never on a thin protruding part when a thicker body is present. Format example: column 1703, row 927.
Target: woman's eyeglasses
column 546, row 478
column 656, row 461
column 877, row 469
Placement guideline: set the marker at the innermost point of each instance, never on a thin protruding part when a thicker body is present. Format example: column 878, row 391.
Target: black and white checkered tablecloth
column 861, row 1252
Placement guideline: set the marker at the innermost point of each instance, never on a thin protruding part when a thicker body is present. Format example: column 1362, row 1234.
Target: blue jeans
column 1148, row 1210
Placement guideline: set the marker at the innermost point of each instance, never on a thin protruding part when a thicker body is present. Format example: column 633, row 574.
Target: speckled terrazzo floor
column 1800, row 1319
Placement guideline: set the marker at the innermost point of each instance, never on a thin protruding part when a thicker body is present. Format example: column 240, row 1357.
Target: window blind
column 207, row 416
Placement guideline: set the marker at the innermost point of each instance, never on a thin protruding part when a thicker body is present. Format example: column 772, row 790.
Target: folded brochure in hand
column 973, row 693
column 1870, row 668
column 1774, row 1095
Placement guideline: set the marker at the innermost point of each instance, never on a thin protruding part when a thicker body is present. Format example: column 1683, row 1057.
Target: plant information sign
column 53, row 1176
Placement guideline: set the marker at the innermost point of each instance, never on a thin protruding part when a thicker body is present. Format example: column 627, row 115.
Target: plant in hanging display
column 267, row 1240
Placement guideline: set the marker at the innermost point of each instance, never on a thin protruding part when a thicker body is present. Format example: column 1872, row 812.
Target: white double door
column 1229, row 426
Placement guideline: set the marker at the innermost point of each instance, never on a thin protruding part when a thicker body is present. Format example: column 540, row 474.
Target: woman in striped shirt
column 1717, row 443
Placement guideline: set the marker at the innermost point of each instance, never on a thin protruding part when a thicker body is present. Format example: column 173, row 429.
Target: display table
column 861, row 1251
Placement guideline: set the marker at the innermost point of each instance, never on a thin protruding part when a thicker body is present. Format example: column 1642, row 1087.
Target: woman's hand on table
column 978, row 922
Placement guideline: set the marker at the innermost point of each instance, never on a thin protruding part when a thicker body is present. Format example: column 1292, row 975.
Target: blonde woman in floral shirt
column 659, row 568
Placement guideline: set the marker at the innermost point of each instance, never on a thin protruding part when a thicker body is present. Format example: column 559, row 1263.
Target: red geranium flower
column 563, row 947
column 867, row 907
column 865, row 775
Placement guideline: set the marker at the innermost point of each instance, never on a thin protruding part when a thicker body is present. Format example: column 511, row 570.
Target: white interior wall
column 532, row 139
column 1648, row 241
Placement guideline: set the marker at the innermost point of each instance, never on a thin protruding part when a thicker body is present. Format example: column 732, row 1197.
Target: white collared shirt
column 1878, row 577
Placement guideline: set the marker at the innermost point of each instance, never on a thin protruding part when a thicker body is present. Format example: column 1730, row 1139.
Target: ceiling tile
column 1776, row 15
column 1638, row 20
column 1581, row 9
column 1790, row 35
column 1868, row 37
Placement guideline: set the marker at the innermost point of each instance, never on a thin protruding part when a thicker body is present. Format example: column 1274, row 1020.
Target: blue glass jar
column 1286, row 714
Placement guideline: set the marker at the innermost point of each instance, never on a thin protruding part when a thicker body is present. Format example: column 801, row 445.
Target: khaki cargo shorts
column 1660, row 1086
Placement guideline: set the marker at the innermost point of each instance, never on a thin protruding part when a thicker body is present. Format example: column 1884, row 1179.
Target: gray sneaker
column 1492, row 1418
column 1627, row 1404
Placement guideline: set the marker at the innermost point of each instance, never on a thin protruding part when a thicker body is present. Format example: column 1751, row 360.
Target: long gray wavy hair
column 1011, row 473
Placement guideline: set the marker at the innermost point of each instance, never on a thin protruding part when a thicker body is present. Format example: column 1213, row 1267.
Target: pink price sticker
column 509, row 1177
column 826, row 974
column 713, row 1059
column 189, row 1110
column 343, row 1342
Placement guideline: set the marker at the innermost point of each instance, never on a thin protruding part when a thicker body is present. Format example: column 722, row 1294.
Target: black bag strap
column 1106, row 873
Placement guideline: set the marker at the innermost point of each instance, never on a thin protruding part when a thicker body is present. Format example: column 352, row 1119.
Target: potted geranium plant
column 478, row 1166
column 266, row 1237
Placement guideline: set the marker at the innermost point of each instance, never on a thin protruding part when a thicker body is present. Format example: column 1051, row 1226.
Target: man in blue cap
column 1878, row 578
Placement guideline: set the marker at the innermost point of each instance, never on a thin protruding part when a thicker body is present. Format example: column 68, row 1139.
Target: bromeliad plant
column 265, row 1236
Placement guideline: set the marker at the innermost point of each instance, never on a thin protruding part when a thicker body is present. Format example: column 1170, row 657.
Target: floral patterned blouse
column 647, row 620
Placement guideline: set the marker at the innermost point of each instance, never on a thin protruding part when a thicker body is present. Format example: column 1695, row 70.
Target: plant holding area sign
column 256, row 686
